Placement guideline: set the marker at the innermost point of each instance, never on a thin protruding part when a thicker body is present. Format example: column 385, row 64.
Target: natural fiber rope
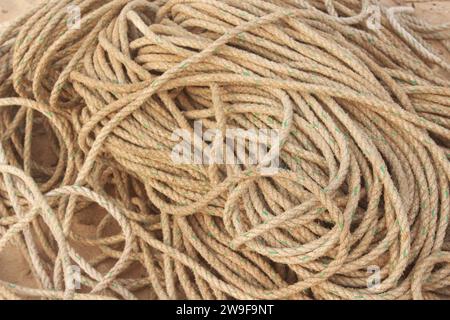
column 364, row 123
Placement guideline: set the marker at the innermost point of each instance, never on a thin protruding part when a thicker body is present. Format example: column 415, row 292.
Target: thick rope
column 361, row 191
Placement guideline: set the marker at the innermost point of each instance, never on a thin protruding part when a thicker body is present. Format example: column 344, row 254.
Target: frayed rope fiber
column 358, row 208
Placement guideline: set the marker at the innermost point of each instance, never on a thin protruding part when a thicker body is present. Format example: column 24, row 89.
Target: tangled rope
column 363, row 179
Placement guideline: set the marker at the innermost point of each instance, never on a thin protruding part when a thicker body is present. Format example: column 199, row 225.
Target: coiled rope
column 363, row 181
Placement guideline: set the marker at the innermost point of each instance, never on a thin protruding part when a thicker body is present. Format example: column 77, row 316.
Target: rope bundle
column 363, row 183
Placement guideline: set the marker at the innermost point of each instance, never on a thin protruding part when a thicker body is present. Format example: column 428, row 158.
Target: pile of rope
column 362, row 190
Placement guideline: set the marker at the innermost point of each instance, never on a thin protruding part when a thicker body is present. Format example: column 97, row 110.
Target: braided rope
column 364, row 146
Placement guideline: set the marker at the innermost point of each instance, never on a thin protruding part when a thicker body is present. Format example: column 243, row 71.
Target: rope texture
column 364, row 122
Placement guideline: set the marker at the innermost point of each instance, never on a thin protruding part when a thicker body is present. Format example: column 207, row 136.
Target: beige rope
column 362, row 188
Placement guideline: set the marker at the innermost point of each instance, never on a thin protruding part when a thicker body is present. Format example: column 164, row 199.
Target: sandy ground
column 13, row 267
column 10, row 9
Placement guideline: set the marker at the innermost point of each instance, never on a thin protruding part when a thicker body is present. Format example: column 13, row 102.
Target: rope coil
column 363, row 181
